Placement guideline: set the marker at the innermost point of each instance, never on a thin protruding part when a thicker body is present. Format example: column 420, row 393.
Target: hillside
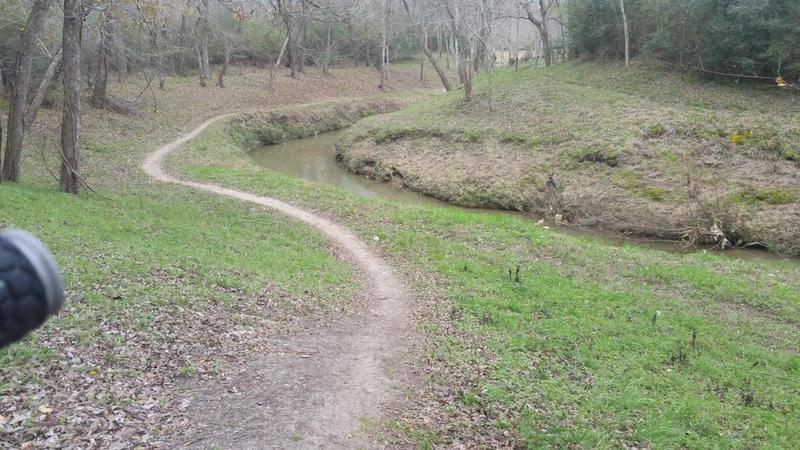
column 642, row 151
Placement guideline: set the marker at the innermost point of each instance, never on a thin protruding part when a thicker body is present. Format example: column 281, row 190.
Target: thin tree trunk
column 541, row 27
column 328, row 30
column 98, row 99
column 280, row 55
column 421, row 61
column 204, row 32
column 19, row 98
column 41, row 93
column 449, row 52
column 71, row 117
column 366, row 42
column 286, row 16
column 439, row 41
column 428, row 54
column 625, row 28
column 182, row 45
column 383, row 45
column 516, row 47
column 122, row 58
column 301, row 58
column 224, row 71
column 157, row 58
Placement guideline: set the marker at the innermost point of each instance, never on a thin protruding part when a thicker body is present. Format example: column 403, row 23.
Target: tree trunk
column 122, row 58
column 280, row 55
column 157, row 59
column 301, row 55
column 182, row 46
column 516, row 47
column 288, row 22
column 224, row 71
column 366, row 44
column 98, row 99
column 541, row 27
column 19, row 98
column 428, row 54
column 71, row 116
column 328, row 43
column 421, row 61
column 439, row 42
column 41, row 93
column 546, row 47
column 204, row 32
column 383, row 45
column 625, row 28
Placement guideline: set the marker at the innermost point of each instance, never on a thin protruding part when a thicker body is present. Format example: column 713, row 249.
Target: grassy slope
column 163, row 282
column 592, row 346
column 619, row 145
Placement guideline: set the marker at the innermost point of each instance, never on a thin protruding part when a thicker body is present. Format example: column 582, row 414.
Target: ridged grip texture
column 23, row 305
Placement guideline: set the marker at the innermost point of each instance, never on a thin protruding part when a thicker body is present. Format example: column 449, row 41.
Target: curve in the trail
column 297, row 400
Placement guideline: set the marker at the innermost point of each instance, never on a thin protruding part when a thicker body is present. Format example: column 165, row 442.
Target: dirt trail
column 316, row 390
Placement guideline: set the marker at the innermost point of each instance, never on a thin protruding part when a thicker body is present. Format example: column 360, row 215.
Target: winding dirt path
column 319, row 389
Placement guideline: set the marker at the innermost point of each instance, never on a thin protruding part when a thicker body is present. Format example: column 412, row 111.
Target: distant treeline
column 732, row 36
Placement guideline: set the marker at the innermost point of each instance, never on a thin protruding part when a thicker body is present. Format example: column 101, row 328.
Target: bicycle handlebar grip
column 31, row 287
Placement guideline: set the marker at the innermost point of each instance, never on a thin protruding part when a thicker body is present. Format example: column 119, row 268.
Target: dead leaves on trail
column 123, row 388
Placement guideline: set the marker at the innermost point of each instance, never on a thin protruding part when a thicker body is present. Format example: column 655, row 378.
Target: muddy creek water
column 313, row 159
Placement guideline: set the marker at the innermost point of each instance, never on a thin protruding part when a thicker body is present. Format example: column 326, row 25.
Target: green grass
column 593, row 346
column 125, row 257
column 575, row 352
column 772, row 196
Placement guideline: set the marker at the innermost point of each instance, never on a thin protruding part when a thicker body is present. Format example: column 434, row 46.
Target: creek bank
column 628, row 163
column 295, row 122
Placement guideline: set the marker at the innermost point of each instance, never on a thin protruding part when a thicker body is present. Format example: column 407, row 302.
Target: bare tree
column 182, row 39
column 226, row 42
column 383, row 44
column 44, row 85
column 19, row 98
column 99, row 91
column 121, row 60
column 287, row 16
column 151, row 18
column 625, row 29
column 538, row 15
column 424, row 47
column 462, row 46
column 71, row 115
column 202, row 50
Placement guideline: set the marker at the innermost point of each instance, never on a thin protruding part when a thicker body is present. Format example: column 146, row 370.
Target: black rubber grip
column 23, row 303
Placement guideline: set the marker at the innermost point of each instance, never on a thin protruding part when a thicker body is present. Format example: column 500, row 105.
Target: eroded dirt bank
column 600, row 158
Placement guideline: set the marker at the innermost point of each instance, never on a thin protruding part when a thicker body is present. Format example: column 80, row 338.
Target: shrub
column 772, row 196
column 513, row 137
column 603, row 155
column 654, row 131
